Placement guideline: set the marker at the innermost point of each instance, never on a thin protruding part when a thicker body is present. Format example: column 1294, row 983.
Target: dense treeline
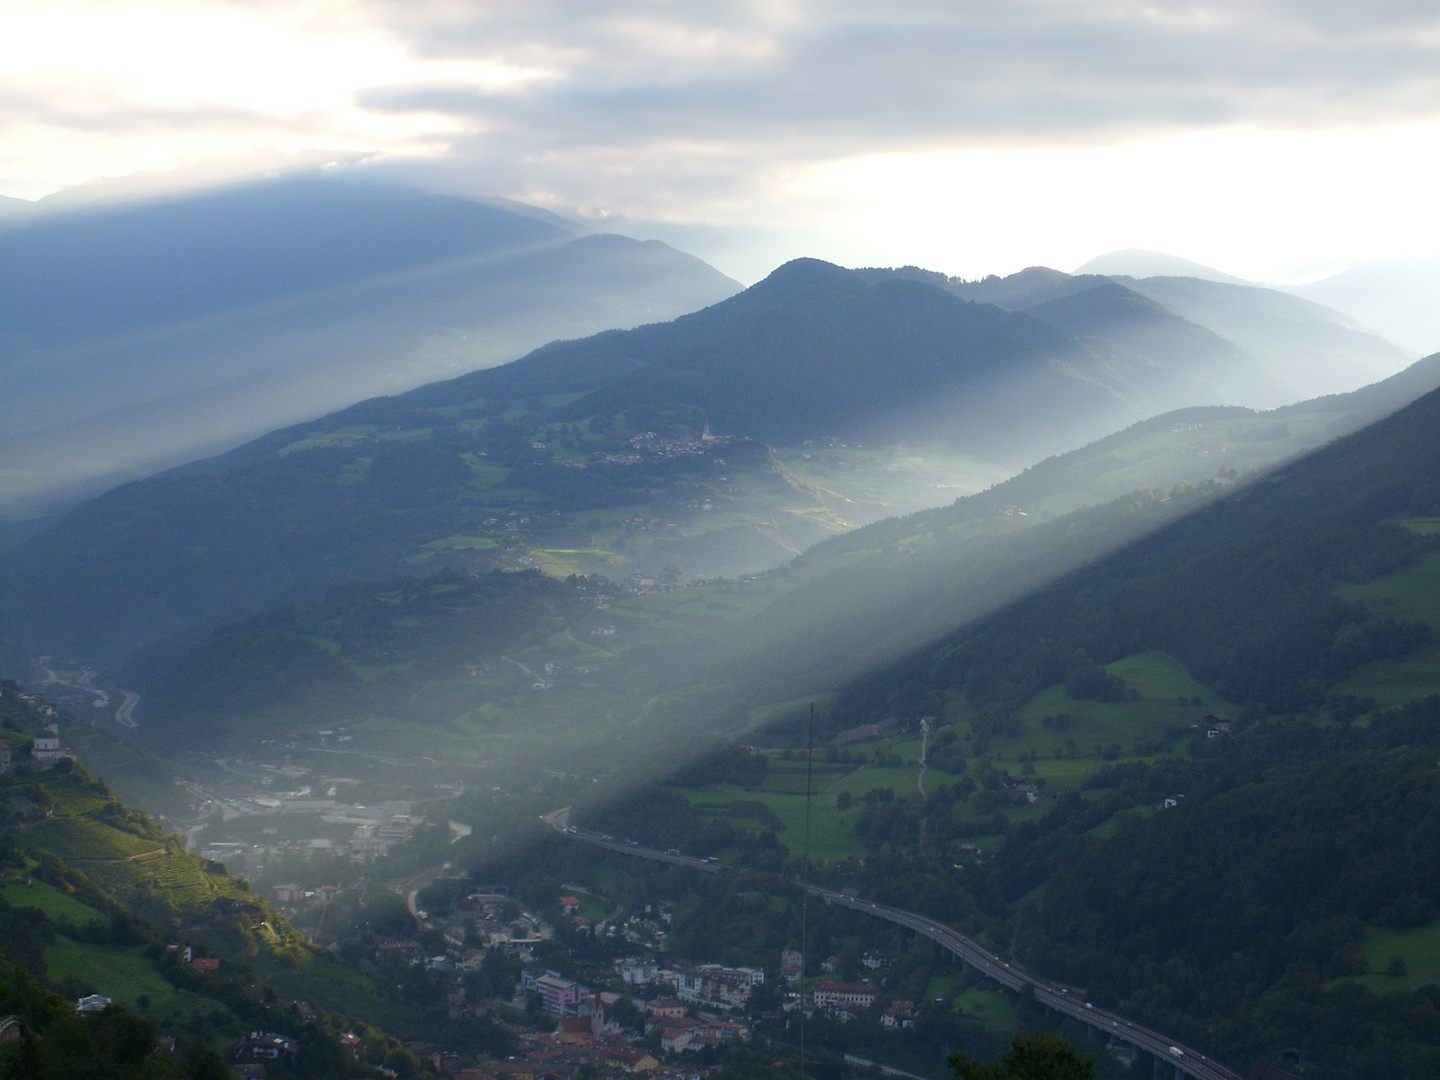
column 1235, row 919
column 1238, row 916
column 1241, row 591
column 726, row 763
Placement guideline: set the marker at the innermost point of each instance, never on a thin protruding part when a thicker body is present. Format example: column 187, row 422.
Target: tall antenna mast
column 805, row 888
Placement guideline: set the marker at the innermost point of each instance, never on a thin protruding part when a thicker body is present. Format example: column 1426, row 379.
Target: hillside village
column 644, row 1014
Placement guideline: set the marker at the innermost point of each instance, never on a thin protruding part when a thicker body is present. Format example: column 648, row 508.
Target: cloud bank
column 731, row 114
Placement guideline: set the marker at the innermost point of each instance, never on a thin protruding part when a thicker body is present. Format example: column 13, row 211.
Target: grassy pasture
column 1161, row 682
column 831, row 838
column 993, row 1008
column 50, row 900
column 1419, row 948
column 117, row 972
column 1412, row 593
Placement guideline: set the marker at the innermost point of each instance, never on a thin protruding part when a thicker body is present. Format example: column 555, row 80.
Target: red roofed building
column 575, row 1029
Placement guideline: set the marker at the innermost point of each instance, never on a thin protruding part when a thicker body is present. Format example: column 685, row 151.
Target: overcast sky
column 1274, row 140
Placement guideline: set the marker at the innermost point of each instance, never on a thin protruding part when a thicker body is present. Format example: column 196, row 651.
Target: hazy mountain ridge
column 1303, row 345
column 141, row 335
column 1106, row 468
column 1303, row 348
column 1240, row 591
column 849, row 605
column 308, row 506
column 1137, row 335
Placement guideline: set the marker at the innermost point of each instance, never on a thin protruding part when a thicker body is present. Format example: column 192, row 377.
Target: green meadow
column 1409, row 594
column 118, row 972
column 1418, row 948
column 1056, row 760
column 23, row 891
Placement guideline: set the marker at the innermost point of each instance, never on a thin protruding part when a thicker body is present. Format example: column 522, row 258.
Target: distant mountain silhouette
column 138, row 335
column 1305, row 347
column 1399, row 298
column 1302, row 348
column 1140, row 263
column 816, row 350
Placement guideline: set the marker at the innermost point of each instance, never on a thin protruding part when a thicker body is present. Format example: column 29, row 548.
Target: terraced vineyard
column 120, row 849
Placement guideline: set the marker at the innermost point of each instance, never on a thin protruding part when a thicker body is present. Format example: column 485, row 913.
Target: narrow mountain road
column 126, row 713
column 410, row 887
column 1168, row 1052
column 585, row 645
column 83, row 684
column 924, row 748
column 521, row 666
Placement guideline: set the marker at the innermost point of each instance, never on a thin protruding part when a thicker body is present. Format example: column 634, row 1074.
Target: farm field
column 1419, row 948
column 1162, row 684
column 1412, row 593
column 21, row 891
column 1056, row 757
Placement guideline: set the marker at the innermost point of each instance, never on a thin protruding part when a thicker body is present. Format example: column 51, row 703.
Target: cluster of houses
column 374, row 835
column 647, row 442
column 296, row 896
column 260, row 1051
column 576, row 1048
column 681, row 1033
column 710, row 985
column 586, row 1035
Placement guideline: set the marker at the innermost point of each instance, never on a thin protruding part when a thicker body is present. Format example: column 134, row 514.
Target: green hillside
column 95, row 898
column 1411, row 594
column 1243, row 592
column 464, row 654
column 833, row 398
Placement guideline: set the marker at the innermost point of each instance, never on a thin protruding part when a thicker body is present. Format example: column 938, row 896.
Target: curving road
column 1169, row 1052
column 126, row 713
column 560, row 820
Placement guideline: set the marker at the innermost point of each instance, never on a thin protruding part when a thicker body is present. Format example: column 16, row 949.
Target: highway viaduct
column 1170, row 1056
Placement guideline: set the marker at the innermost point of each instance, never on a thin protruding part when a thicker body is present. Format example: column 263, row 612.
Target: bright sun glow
column 112, row 88
column 158, row 86
column 1232, row 199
